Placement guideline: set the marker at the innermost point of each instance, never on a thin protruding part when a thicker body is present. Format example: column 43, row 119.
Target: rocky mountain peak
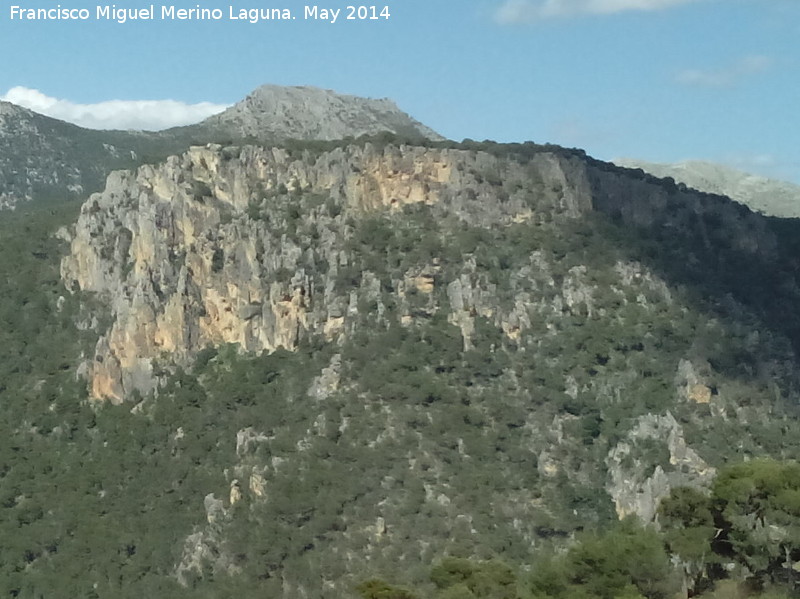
column 306, row 112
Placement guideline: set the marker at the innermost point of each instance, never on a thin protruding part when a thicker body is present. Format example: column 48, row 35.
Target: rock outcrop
column 226, row 245
column 634, row 485
column 211, row 247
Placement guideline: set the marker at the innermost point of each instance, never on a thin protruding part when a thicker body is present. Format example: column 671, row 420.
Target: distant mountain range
column 768, row 196
column 49, row 158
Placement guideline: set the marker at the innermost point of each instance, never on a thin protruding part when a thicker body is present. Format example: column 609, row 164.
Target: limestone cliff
column 245, row 245
column 209, row 248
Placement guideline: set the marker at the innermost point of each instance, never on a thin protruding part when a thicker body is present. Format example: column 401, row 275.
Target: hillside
column 44, row 157
column 301, row 367
column 760, row 194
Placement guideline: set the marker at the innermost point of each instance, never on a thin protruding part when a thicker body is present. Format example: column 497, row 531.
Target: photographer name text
column 154, row 12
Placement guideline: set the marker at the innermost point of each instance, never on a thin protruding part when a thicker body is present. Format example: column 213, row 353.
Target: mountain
column 313, row 365
column 288, row 368
column 45, row 157
column 768, row 196
column 283, row 113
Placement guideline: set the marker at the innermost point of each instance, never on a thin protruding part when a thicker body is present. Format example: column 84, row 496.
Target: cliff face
column 209, row 249
column 245, row 246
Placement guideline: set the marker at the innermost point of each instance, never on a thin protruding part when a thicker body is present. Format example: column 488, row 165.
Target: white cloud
column 528, row 11
column 727, row 76
column 149, row 115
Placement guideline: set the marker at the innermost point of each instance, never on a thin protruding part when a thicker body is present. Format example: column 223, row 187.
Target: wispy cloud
column 726, row 76
column 114, row 114
column 529, row 11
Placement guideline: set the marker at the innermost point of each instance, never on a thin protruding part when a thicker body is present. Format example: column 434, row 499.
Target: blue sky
column 660, row 80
